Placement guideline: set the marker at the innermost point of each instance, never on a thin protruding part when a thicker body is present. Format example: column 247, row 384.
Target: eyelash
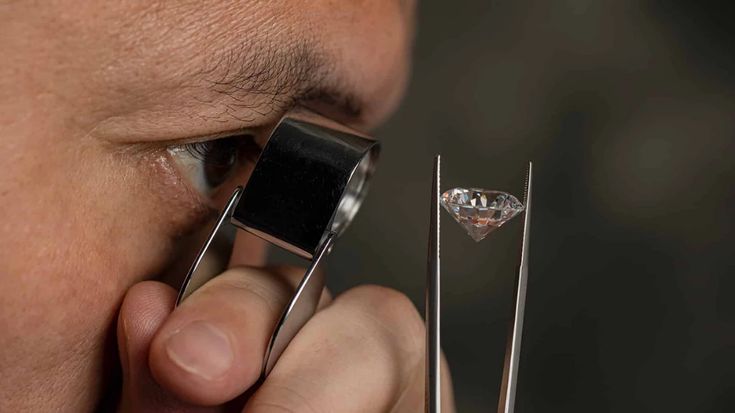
column 241, row 144
column 244, row 144
column 210, row 164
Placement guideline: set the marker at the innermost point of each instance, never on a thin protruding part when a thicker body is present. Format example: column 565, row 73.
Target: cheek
column 79, row 226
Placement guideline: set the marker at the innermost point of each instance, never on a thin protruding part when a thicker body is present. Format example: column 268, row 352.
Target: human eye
column 209, row 164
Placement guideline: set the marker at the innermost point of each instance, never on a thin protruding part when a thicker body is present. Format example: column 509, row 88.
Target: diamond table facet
column 480, row 211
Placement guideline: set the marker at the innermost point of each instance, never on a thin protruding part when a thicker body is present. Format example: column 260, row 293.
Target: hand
column 361, row 352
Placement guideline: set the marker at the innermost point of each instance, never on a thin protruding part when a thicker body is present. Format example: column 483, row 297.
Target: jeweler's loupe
column 305, row 189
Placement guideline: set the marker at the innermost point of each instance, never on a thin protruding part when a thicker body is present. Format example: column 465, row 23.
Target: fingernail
column 201, row 349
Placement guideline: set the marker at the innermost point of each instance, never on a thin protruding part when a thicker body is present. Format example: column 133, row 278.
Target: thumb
column 145, row 307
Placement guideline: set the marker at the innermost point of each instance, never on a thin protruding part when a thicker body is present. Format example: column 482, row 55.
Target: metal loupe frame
column 305, row 189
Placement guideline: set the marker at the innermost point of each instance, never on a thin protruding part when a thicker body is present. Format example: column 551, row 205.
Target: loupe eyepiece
column 310, row 180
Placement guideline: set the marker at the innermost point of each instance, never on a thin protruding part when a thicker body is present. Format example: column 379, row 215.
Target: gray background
column 626, row 109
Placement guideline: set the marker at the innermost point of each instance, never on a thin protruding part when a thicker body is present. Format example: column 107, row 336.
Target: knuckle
column 291, row 273
column 396, row 312
column 237, row 282
column 280, row 397
column 390, row 304
column 272, row 407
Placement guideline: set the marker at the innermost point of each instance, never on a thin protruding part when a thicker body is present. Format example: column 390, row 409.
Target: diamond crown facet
column 480, row 211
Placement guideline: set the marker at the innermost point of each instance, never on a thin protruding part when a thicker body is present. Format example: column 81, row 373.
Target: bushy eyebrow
column 284, row 76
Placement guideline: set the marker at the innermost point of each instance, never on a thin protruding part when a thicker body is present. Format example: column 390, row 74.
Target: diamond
column 480, row 211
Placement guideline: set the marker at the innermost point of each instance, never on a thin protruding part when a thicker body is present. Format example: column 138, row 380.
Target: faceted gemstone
column 480, row 211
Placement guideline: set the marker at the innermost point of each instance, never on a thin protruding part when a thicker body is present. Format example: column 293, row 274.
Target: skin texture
column 92, row 204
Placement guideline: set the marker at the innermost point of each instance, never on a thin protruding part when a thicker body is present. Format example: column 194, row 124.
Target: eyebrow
column 285, row 76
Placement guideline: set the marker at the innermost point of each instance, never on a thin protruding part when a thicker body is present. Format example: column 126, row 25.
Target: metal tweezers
column 506, row 403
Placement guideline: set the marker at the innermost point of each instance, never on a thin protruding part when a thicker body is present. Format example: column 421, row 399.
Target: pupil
column 220, row 159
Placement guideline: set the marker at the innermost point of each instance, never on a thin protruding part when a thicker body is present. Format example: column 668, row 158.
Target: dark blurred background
column 626, row 109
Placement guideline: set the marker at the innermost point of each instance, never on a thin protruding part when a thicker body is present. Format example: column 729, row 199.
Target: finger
column 248, row 250
column 144, row 309
column 413, row 400
column 363, row 353
column 447, row 388
column 211, row 348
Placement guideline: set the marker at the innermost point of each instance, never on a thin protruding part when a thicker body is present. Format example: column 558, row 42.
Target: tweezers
column 506, row 402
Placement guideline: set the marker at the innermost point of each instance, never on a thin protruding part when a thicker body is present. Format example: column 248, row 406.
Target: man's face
column 104, row 108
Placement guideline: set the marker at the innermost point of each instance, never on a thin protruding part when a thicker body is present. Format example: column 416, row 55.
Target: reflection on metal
column 200, row 273
column 300, row 309
column 433, row 304
column 506, row 404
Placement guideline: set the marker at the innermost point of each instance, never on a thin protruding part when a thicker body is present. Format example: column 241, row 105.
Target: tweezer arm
column 506, row 404
column 433, row 318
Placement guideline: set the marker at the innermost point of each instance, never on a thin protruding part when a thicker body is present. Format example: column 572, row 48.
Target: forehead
column 245, row 54
column 154, row 60
column 182, row 43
